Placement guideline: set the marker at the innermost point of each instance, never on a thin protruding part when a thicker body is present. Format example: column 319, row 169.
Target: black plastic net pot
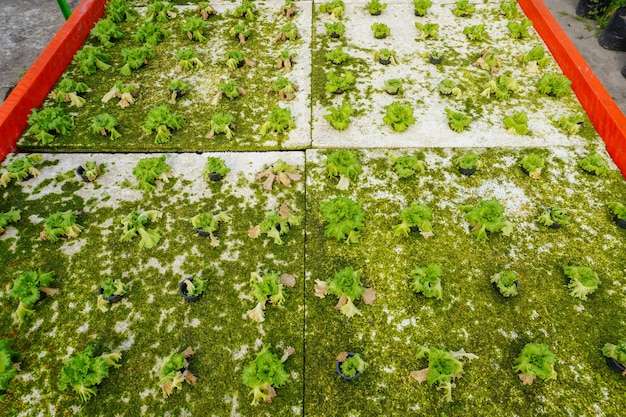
column 591, row 8
column 613, row 36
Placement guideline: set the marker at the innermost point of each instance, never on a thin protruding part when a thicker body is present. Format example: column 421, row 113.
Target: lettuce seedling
column 174, row 371
column 222, row 123
column 535, row 360
column 487, row 216
column 336, row 56
column 194, row 286
column 178, row 88
column 393, row 86
column 10, row 216
column 150, row 34
column 8, row 369
column 280, row 173
column 594, row 164
column 447, row 87
column 421, row 7
column 105, row 30
column 443, row 368
column 350, row 365
column 381, row 30
column 337, row 84
column 501, row 87
column 506, row 281
column 89, row 171
column 334, row 8
column 553, row 217
column 347, row 287
column 519, row 30
column 28, row 288
column 68, row 90
column 572, row 123
column 148, row 170
column 268, row 287
column 386, row 56
column 467, row 162
column 339, row 117
column 517, row 123
column 289, row 9
column 229, row 89
column 135, row 224
column 415, row 217
column 463, row 8
column 120, row 11
column 125, row 92
column 60, row 224
column 408, row 165
column 509, row 9
column 617, row 209
column 375, row 7
column 476, row 32
column 427, row 280
column 276, row 224
column 135, row 58
column 287, row 32
column 161, row 11
column 241, row 32
column 104, row 124
column 83, row 372
column 208, row 224
column 187, row 60
column 50, row 119
column 237, row 59
column 21, row 169
column 344, row 218
column 247, row 10
column 215, row 169
column 617, row 352
column 110, row 288
column 278, row 121
column 344, row 164
column 206, row 10
column 284, row 88
column 535, row 59
column 399, row 116
column 554, row 85
column 194, row 28
column 285, row 61
column 89, row 59
column 583, row 280
column 488, row 61
column 427, row 30
column 162, row 120
column 532, row 164
column 335, row 29
column 266, row 373
column 457, row 121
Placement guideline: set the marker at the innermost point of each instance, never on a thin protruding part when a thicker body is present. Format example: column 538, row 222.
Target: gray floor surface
column 28, row 25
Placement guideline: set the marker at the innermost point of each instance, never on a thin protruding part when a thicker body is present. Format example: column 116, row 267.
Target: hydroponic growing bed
column 399, row 241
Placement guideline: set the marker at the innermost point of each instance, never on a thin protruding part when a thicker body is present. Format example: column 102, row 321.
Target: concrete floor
column 28, row 25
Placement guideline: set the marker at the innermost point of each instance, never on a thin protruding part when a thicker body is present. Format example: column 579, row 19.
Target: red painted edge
column 606, row 117
column 34, row 86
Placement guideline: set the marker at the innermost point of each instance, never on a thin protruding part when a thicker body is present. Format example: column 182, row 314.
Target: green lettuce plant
column 8, row 369
column 393, row 86
column 443, row 368
column 509, row 9
column 338, row 84
column 334, row 8
column 617, row 209
column 386, row 56
column 135, row 223
column 268, row 287
column 421, row 7
column 162, row 120
column 381, row 30
column 82, row 371
column 205, row 9
column 178, row 88
column 519, row 30
column 89, row 59
column 617, row 352
column 174, row 371
column 351, row 365
column 194, row 28
column 289, row 9
column 28, row 288
column 284, row 88
column 339, row 117
column 187, row 60
column 532, row 164
column 160, row 11
column 280, row 173
column 104, row 30
column 125, row 92
column 285, row 61
column 336, row 56
column 241, row 32
column 463, row 8
column 554, row 85
column 467, row 161
column 278, row 121
column 266, row 373
column 344, row 217
column 215, row 166
column 476, row 32
column 49, row 119
column 487, row 216
column 222, row 123
column 375, row 7
column 193, row 286
column 535, row 360
column 335, row 29
column 447, row 87
column 247, row 10
column 10, row 216
column 427, row 30
column 60, row 224
column 276, row 224
column 457, row 121
column 415, row 217
column 150, row 34
column 135, row 58
column 594, row 164
column 90, row 170
column 209, row 223
column 120, row 11
column 501, row 87
column 288, row 32
column 572, row 123
column 506, row 282
column 21, row 169
column 229, row 89
column 407, row 166
column 553, row 217
column 427, row 280
column 344, row 164
column 149, row 170
column 105, row 124
column 68, row 90
column 535, row 59
column 488, row 61
column 517, row 123
column 583, row 280
column 237, row 59
column 110, row 287
column 399, row 116
column 347, row 287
